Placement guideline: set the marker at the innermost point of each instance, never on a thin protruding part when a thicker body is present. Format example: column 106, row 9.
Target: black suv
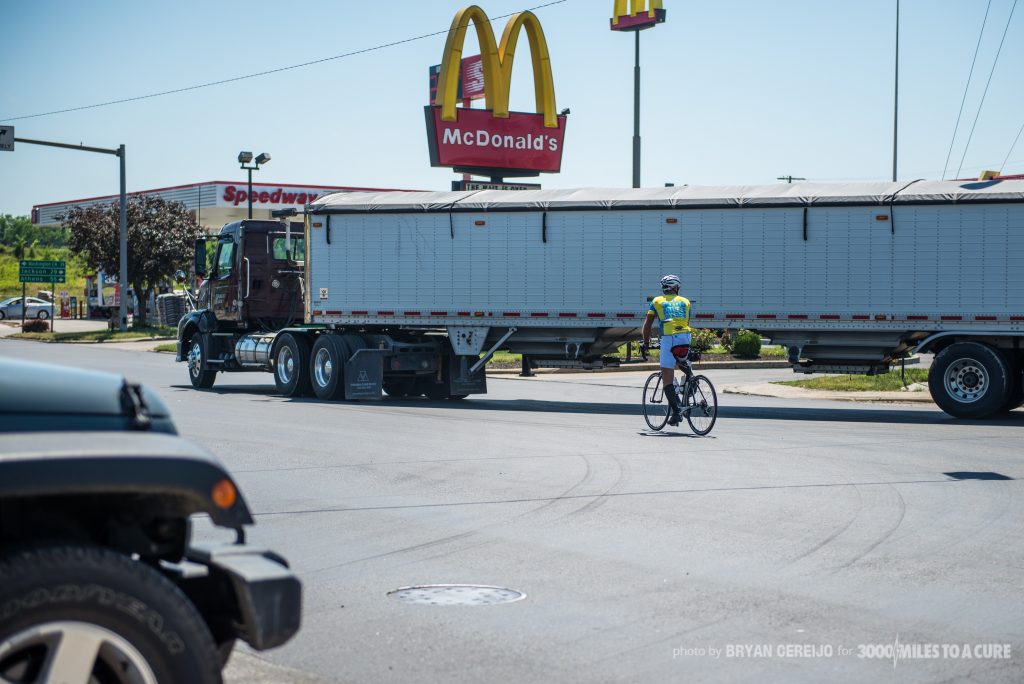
column 98, row 579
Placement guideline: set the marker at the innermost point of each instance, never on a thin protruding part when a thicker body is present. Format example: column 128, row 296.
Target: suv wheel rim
column 285, row 365
column 195, row 360
column 73, row 651
column 323, row 369
column 966, row 380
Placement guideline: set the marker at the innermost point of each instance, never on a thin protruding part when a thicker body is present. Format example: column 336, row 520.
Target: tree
column 14, row 228
column 161, row 236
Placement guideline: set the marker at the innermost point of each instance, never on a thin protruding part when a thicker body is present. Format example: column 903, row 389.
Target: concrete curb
column 768, row 389
column 649, row 367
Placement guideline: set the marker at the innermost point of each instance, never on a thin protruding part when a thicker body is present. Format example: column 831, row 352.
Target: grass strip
column 888, row 382
column 136, row 333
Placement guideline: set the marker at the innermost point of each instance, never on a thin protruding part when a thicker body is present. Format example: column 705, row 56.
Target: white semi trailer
column 849, row 277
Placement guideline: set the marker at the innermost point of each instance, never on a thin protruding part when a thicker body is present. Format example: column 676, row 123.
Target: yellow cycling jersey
column 674, row 313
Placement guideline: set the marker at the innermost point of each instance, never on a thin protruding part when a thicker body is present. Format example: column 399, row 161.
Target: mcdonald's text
column 478, row 140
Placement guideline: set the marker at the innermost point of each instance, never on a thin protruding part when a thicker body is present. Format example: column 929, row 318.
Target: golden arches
column 635, row 7
column 497, row 60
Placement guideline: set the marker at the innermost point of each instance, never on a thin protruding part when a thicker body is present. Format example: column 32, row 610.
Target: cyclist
column 673, row 311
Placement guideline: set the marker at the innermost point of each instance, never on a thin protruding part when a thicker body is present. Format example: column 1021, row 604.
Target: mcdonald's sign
column 494, row 140
column 638, row 17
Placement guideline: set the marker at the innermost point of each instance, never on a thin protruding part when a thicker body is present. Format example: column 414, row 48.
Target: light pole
column 636, row 21
column 243, row 159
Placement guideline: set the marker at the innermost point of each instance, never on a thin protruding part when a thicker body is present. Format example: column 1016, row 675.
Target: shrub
column 36, row 325
column 747, row 345
column 702, row 340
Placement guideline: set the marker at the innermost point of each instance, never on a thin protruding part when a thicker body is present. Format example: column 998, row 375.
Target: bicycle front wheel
column 656, row 408
column 701, row 405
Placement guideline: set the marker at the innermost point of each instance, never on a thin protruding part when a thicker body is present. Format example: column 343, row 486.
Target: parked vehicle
column 403, row 291
column 34, row 308
column 99, row 578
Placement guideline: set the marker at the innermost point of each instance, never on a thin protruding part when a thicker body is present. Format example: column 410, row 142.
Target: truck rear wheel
column 197, row 356
column 88, row 614
column 291, row 365
column 1016, row 395
column 969, row 380
column 326, row 367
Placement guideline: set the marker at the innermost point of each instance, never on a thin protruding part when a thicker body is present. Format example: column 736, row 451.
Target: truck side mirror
column 200, row 258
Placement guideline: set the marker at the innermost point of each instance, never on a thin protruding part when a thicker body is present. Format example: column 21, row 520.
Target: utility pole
column 790, row 179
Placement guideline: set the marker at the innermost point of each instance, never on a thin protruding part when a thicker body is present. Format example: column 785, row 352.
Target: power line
column 966, row 88
column 262, row 73
column 989, row 81
column 1003, row 165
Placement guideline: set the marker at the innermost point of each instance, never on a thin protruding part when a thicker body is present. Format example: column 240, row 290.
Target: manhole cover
column 456, row 595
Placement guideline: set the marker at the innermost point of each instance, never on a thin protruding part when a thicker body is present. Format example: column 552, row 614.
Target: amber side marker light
column 224, row 494
column 671, row 220
column 881, row 217
column 479, row 223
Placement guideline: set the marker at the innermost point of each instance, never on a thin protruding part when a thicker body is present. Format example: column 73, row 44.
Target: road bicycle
column 696, row 393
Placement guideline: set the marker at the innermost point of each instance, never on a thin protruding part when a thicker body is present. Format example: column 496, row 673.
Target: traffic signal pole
column 123, row 220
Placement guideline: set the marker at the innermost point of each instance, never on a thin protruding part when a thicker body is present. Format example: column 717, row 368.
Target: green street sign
column 30, row 271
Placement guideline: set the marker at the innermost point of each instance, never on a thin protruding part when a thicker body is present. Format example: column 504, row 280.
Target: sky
column 733, row 91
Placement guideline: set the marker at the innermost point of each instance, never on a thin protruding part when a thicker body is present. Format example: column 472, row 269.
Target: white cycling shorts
column 669, row 341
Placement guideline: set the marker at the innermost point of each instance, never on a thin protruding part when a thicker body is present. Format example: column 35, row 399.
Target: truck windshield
column 298, row 250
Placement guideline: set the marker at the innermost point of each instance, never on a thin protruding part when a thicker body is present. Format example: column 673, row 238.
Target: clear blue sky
column 734, row 91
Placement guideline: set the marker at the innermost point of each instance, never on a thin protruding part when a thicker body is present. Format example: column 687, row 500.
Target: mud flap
column 461, row 381
column 364, row 375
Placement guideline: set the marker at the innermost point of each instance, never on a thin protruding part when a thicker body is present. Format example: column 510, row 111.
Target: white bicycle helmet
column 670, row 283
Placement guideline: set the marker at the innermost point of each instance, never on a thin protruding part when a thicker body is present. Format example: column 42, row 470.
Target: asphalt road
column 795, row 539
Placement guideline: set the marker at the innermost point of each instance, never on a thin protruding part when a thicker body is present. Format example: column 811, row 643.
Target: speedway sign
column 494, row 139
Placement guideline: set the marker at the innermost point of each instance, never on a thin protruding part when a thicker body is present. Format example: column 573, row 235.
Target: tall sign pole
column 635, row 16
column 636, row 114
column 896, row 93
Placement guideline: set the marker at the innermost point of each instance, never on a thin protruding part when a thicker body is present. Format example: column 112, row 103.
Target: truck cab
column 254, row 278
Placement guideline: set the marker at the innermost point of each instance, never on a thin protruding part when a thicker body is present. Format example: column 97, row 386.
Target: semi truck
column 412, row 292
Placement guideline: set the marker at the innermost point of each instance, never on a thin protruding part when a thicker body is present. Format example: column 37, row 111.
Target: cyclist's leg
column 668, row 365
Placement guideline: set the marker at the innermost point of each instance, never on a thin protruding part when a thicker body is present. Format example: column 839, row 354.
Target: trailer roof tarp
column 682, row 197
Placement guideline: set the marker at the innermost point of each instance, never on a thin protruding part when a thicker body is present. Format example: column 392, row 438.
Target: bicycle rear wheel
column 701, row 404
column 656, row 408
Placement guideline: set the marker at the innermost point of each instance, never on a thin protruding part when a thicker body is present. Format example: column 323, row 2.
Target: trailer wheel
column 969, row 380
column 291, row 366
column 197, row 356
column 87, row 614
column 326, row 367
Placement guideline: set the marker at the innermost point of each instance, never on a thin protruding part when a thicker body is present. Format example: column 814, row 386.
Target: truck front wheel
column 88, row 614
column 197, row 356
column 969, row 380
column 291, row 365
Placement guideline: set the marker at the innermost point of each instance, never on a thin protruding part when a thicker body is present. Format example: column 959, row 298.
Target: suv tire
column 137, row 623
